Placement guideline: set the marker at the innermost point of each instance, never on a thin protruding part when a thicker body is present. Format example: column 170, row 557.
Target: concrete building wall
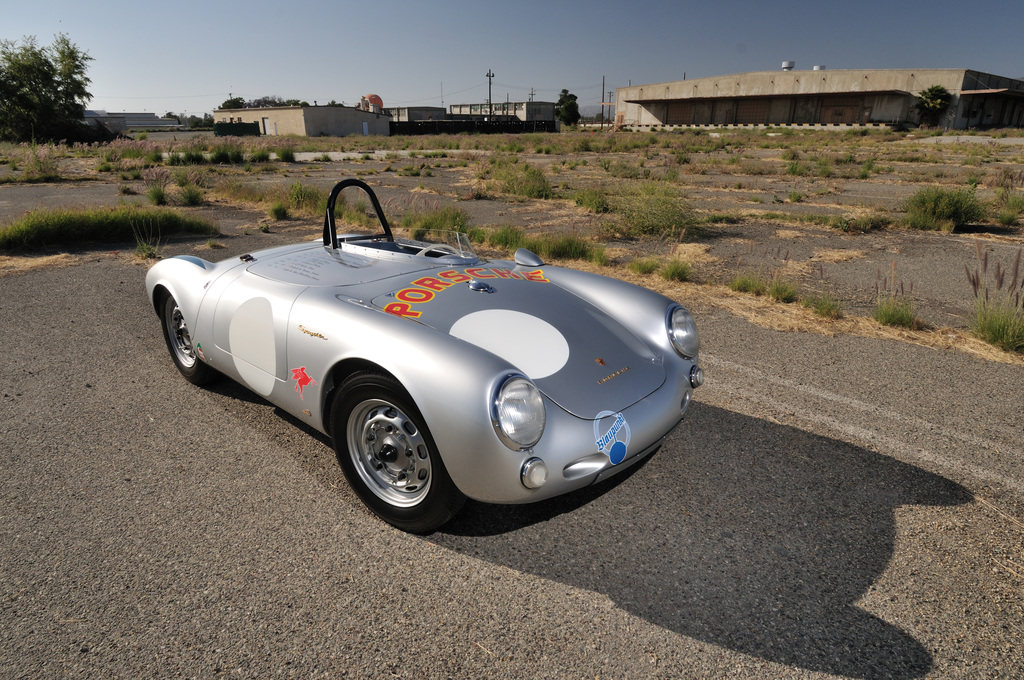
column 309, row 121
column 821, row 97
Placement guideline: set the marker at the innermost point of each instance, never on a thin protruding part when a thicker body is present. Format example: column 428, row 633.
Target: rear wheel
column 388, row 455
column 179, row 344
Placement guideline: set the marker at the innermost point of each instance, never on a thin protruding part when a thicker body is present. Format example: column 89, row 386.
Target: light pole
column 490, row 102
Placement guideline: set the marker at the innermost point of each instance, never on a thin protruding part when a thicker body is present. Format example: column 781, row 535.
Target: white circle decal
column 530, row 344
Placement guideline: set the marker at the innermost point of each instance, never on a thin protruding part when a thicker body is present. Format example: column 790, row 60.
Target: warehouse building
column 309, row 121
column 822, row 97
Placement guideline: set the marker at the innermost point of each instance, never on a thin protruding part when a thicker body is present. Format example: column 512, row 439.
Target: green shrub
column 286, row 155
column 157, row 194
column 278, row 210
column 307, row 199
column 594, row 200
column 781, row 290
column 61, row 227
column 191, row 195
column 892, row 310
column 824, row 305
column 644, row 266
column 567, row 247
column 508, row 237
column 220, row 155
column 448, row 218
column 748, row 282
column 259, row 156
column 677, row 270
column 652, row 209
column 797, row 168
column 999, row 323
column 522, row 179
column 935, row 208
column 998, row 302
column 599, row 256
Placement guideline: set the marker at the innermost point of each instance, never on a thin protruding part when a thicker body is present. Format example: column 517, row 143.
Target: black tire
column 388, row 455
column 179, row 344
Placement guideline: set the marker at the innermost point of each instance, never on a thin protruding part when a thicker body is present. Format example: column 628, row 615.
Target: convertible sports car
column 437, row 374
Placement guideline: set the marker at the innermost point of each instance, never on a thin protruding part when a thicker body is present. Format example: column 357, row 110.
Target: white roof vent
column 819, row 67
column 788, row 65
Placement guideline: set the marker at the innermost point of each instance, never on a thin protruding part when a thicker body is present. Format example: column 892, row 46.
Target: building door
column 366, row 128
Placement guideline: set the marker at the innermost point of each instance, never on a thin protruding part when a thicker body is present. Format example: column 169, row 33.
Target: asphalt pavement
column 831, row 507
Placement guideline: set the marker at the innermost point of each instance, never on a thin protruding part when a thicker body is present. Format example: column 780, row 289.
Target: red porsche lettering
column 414, row 295
column 427, row 287
column 477, row 273
column 432, row 283
column 401, row 309
column 454, row 276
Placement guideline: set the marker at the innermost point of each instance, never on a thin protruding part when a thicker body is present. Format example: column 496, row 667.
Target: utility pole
column 490, row 104
column 602, row 105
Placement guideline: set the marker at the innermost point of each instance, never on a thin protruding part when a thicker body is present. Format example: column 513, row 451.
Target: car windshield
column 438, row 243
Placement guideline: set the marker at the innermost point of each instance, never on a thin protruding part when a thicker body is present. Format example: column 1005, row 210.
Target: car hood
column 577, row 355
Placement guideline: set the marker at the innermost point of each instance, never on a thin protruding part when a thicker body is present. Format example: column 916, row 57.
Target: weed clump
column 677, row 270
column 935, row 208
column 652, row 210
column 893, row 305
column 824, row 305
column 998, row 302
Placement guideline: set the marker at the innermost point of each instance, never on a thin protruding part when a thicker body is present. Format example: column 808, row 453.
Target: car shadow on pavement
column 749, row 535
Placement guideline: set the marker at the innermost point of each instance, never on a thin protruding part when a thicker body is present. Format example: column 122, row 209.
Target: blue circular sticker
column 614, row 442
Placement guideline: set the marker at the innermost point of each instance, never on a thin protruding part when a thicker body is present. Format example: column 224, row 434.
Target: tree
column 567, row 110
column 233, row 103
column 266, row 101
column 932, row 103
column 43, row 90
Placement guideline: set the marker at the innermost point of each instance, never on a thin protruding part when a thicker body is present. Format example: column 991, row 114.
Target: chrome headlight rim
column 682, row 331
column 528, row 439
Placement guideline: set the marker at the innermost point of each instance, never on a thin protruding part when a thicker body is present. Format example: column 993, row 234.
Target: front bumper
column 576, row 452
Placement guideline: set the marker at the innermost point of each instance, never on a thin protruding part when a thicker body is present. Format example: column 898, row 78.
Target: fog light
column 534, row 474
column 696, row 376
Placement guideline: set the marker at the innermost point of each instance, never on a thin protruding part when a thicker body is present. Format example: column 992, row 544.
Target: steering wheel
column 438, row 247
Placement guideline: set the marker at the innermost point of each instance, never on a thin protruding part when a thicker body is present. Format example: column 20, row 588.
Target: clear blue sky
column 187, row 56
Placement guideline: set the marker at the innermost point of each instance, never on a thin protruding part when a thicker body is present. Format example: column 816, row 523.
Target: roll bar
column 330, row 226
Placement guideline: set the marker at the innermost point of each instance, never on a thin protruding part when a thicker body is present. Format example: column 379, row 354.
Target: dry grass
column 20, row 264
column 766, row 313
column 835, row 255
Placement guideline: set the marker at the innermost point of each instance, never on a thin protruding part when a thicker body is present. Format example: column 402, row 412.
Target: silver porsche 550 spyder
column 438, row 375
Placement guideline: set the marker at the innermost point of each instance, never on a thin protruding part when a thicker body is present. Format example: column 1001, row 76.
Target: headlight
column 518, row 413
column 683, row 331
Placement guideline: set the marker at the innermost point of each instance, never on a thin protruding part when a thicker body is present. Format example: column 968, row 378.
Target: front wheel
column 179, row 344
column 388, row 455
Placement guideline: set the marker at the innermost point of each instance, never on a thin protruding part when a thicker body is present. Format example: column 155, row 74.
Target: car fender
column 450, row 381
column 642, row 311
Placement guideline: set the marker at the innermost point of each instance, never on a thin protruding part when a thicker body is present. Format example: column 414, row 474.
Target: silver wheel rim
column 389, row 453
column 177, row 333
